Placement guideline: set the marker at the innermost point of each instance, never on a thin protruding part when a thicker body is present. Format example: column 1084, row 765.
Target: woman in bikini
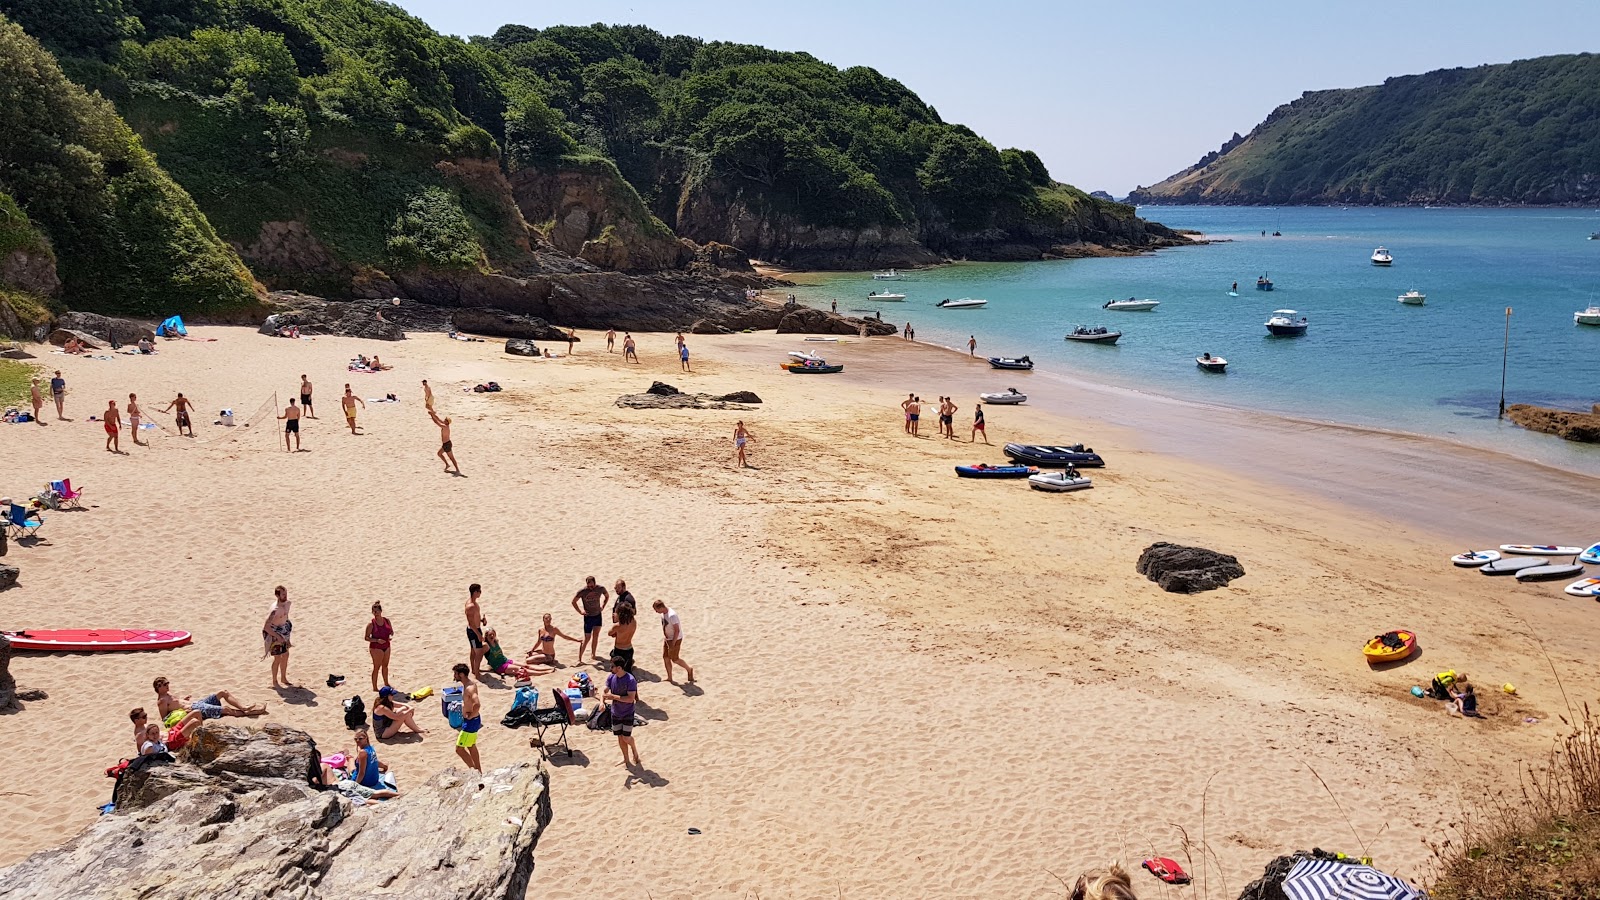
column 741, row 436
column 544, row 652
column 378, row 636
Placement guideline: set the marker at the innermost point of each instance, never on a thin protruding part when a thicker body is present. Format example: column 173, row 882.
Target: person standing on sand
column 625, row 617
column 683, row 356
column 182, row 404
column 679, row 339
column 911, row 333
column 593, row 599
column 113, row 423
column 572, row 336
column 379, row 637
column 58, row 392
column 611, row 340
column 471, row 718
column 305, row 397
column 947, row 420
column 914, row 410
column 37, row 398
column 134, row 414
column 741, row 436
column 275, row 637
column 475, row 622
column 447, row 447
column 905, row 407
column 977, row 425
column 672, row 640
column 905, row 333
column 628, row 348
column 427, row 395
column 972, row 345
column 291, row 425
column 349, row 401
column 622, row 692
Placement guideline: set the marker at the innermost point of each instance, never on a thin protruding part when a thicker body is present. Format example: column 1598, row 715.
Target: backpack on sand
column 355, row 713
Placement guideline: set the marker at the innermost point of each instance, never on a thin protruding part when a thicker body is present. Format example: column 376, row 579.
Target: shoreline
column 857, row 617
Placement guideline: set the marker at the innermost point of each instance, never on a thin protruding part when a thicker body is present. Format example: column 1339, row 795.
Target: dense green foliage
column 433, row 230
column 17, row 233
column 1522, row 132
column 127, row 238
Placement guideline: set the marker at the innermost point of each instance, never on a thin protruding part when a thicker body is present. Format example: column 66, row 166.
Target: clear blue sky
column 1111, row 93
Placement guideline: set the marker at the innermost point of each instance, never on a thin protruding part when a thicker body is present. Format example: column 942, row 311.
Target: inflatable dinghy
column 1059, row 482
column 984, row 470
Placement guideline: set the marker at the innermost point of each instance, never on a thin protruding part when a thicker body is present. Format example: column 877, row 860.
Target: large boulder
column 498, row 323
column 107, row 328
column 1573, row 426
column 808, row 320
column 8, row 574
column 61, row 336
column 236, row 837
column 519, row 347
column 10, row 697
column 1187, row 570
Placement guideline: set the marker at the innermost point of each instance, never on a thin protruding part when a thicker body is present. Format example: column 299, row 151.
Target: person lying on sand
column 74, row 345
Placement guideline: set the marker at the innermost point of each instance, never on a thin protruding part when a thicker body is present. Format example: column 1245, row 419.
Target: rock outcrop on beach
column 235, row 818
column 661, row 395
column 8, row 574
column 107, row 328
column 12, row 699
column 1572, row 426
column 1187, row 570
column 809, row 320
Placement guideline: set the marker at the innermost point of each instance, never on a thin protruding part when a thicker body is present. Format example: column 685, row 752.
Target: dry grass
column 1540, row 843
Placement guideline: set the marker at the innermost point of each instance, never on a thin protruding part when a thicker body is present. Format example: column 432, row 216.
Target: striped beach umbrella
column 1327, row 879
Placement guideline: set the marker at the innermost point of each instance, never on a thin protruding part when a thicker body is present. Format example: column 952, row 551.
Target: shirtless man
column 905, row 407
column 211, row 706
column 593, row 598
column 305, row 397
column 475, row 622
column 427, row 395
column 471, row 718
column 972, row 345
column 628, row 348
column 291, row 425
column 38, row 400
column 182, row 404
column 947, row 418
column 611, row 340
column 113, row 423
column 349, row 401
column 134, row 414
column 914, row 411
column 447, row 453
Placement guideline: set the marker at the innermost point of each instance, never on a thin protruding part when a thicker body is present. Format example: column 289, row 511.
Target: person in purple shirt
column 622, row 692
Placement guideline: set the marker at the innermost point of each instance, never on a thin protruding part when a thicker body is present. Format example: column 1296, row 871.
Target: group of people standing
column 111, row 417
column 912, row 407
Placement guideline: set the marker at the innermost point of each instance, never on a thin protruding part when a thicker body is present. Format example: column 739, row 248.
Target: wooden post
column 1505, row 353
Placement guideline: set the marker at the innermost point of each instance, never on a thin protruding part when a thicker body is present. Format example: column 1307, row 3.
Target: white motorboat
column 885, row 295
column 1131, row 305
column 1382, row 257
column 1590, row 316
column 1413, row 298
column 805, row 357
column 891, row 275
column 1211, row 363
column 1287, row 323
column 1010, row 397
column 1059, row 482
column 963, row 303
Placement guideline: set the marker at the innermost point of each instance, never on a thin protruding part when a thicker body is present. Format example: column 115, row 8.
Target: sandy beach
column 909, row 685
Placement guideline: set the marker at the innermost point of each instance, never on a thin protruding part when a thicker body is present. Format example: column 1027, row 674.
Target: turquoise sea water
column 1366, row 360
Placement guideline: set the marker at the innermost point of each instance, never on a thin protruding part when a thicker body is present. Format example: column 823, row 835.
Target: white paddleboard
column 1474, row 558
column 1233, row 293
column 1511, row 566
column 1585, row 587
column 1549, row 573
column 1540, row 550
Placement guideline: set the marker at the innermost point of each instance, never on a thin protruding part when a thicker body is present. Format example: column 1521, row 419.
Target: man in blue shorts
column 590, row 602
column 211, row 706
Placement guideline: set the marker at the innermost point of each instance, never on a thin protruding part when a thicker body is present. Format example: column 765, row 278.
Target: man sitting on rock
column 211, row 706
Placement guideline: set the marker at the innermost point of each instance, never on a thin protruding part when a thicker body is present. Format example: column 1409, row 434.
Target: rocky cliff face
column 593, row 214
column 31, row 271
column 235, row 819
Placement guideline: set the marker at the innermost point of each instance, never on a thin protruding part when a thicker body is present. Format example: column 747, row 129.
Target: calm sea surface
column 1367, row 359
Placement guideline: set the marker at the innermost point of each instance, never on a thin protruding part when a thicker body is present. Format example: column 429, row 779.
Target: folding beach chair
column 22, row 524
column 72, row 498
column 558, row 716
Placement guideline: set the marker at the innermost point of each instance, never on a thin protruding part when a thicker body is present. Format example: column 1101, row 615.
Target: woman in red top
column 378, row 635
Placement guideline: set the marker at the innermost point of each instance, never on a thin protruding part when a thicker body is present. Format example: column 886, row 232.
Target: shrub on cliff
column 433, row 230
column 127, row 239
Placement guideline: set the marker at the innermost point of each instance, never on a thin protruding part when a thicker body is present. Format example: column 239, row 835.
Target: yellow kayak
column 1378, row 651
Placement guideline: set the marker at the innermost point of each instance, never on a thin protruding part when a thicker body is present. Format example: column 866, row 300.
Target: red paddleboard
column 93, row 639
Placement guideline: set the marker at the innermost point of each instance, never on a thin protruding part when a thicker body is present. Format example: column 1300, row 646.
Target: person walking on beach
column 905, row 333
column 134, row 415
column 678, row 339
column 349, row 401
column 741, row 436
column 379, row 637
column 622, row 692
column 447, row 451
column 590, row 602
column 37, row 398
column 628, row 348
column 471, row 718
column 672, row 640
column 611, row 340
column 276, row 636
column 977, row 425
column 291, row 425
column 475, row 622
column 914, row 410
column 427, row 395
column 113, row 423
column 683, row 356
column 972, row 345
column 305, row 397
column 58, row 392
column 182, row 404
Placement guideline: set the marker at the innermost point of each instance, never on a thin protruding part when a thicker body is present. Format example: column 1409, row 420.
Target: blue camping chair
column 22, row 524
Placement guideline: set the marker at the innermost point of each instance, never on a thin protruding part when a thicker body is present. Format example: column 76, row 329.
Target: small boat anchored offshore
column 1382, row 257
column 1287, row 323
column 1211, row 363
column 1263, row 283
column 891, row 275
column 1131, row 305
column 963, row 303
column 885, row 295
column 1006, row 362
column 1413, row 298
column 1097, row 335
column 1590, row 316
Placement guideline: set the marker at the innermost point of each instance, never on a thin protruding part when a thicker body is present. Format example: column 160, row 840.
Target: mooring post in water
column 1505, row 352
